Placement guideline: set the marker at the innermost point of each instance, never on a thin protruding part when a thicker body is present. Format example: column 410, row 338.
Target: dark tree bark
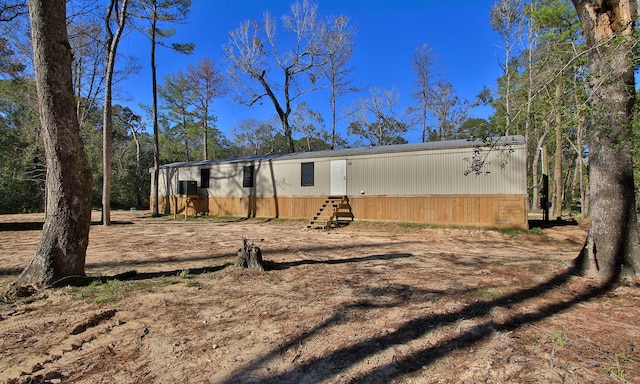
column 611, row 251
column 250, row 256
column 65, row 235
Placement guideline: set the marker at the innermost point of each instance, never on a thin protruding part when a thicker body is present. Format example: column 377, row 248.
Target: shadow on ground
column 269, row 265
column 37, row 225
column 22, row 226
column 134, row 275
column 543, row 224
column 338, row 361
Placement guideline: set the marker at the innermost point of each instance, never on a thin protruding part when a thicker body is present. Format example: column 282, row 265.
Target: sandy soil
column 366, row 303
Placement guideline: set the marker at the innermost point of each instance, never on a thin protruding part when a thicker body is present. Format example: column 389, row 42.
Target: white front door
column 338, row 177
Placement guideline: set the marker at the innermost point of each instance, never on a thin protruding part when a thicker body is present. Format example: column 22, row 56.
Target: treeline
column 542, row 94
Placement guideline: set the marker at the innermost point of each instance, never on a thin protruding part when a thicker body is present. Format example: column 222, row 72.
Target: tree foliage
column 376, row 120
column 22, row 166
column 207, row 83
column 252, row 137
column 314, row 135
column 10, row 64
column 542, row 96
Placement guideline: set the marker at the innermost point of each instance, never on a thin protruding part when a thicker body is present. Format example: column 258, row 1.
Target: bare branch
column 11, row 10
column 265, row 63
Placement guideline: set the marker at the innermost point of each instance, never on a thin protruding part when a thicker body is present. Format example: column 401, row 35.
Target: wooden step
column 330, row 218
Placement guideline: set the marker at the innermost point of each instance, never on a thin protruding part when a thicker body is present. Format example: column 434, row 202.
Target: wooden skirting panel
column 500, row 211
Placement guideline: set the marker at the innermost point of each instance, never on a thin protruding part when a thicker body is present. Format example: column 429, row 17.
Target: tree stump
column 250, row 256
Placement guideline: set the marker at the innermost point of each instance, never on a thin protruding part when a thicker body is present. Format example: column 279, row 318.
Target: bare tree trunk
column 65, row 235
column 576, row 175
column 583, row 200
column 533, row 204
column 579, row 150
column 288, row 134
column 283, row 114
column 333, row 113
column 205, row 136
column 578, row 171
column 107, row 152
column 612, row 248
column 558, row 161
column 425, row 134
column 138, row 182
column 187, row 156
column 507, row 93
column 505, row 18
column 527, row 120
column 534, row 176
column 156, row 144
column 107, row 113
column 155, row 12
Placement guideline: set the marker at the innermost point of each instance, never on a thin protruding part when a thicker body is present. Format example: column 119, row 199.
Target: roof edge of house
column 362, row 151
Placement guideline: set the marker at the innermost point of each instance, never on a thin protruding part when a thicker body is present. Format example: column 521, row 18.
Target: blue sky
column 468, row 49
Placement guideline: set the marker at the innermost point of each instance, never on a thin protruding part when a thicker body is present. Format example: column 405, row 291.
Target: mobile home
column 462, row 182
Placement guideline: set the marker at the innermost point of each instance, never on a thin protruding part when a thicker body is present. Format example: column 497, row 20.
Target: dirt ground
column 365, row 303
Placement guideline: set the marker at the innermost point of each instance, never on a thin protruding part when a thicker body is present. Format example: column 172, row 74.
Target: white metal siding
column 287, row 175
column 423, row 172
column 437, row 173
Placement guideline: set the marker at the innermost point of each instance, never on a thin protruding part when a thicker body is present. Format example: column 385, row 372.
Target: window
column 307, row 175
column 187, row 187
column 204, row 177
column 247, row 176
